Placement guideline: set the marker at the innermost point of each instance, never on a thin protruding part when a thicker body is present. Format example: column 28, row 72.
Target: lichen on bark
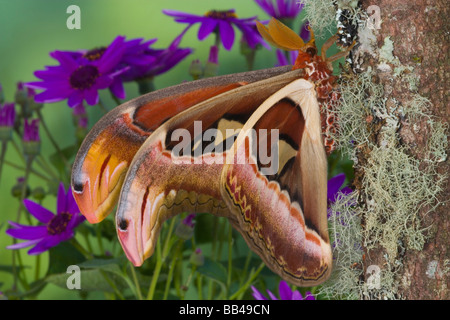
column 393, row 124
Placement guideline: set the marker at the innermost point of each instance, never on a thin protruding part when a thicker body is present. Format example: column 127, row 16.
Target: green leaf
column 110, row 265
column 62, row 256
column 57, row 160
column 90, row 280
column 213, row 270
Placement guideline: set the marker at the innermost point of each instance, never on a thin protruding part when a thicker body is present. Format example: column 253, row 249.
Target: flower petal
column 65, row 59
column 206, row 28
column 334, row 184
column 72, row 206
column 45, row 244
column 75, row 98
column 39, row 212
column 257, row 295
column 309, row 296
column 271, row 295
column 91, row 96
column 28, row 232
column 117, row 88
column 112, row 55
column 284, row 291
column 61, row 203
column 226, row 34
column 186, row 17
column 22, row 244
column 296, row 295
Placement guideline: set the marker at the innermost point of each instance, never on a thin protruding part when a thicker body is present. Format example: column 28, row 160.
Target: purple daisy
column 281, row 9
column 79, row 76
column 146, row 62
column 285, row 292
column 220, row 22
column 7, row 115
column 54, row 228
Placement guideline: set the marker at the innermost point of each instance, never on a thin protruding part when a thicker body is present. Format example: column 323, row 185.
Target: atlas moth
column 127, row 160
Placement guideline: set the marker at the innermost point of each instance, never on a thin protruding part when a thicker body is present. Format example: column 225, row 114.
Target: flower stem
column 160, row 257
column 52, row 140
column 112, row 284
column 2, row 157
column 136, row 282
column 242, row 289
column 157, row 270
column 230, row 255
column 172, row 268
column 38, row 268
column 31, row 171
column 80, row 248
column 29, row 160
column 102, row 106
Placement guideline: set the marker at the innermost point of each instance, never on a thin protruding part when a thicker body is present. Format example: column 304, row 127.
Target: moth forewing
column 155, row 173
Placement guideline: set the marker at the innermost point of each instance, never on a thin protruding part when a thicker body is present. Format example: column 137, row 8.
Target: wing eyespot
column 123, row 224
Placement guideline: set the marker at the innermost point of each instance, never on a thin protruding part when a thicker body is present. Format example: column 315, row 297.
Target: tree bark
column 420, row 34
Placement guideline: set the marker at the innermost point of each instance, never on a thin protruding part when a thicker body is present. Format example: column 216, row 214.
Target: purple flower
column 53, row 228
column 305, row 34
column 146, row 62
column 220, row 22
column 7, row 114
column 334, row 186
column 285, row 293
column 80, row 115
column 188, row 221
column 79, row 76
column 281, row 9
column 185, row 228
column 213, row 55
column 31, row 130
column 334, row 189
column 286, row 61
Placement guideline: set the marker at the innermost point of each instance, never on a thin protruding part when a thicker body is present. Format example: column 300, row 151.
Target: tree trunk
column 419, row 31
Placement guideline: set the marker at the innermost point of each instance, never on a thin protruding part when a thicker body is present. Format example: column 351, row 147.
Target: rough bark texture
column 420, row 34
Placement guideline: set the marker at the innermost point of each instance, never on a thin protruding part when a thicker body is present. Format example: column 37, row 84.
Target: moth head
column 281, row 36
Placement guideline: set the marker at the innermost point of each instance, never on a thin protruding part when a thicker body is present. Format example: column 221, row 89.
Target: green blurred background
column 30, row 29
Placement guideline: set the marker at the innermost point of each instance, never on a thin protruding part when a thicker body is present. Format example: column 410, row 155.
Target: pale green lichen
column 417, row 111
column 397, row 188
column 346, row 238
column 322, row 14
column 361, row 100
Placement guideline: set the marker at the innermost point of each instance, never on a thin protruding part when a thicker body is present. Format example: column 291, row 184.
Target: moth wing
column 274, row 183
column 174, row 171
column 107, row 151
